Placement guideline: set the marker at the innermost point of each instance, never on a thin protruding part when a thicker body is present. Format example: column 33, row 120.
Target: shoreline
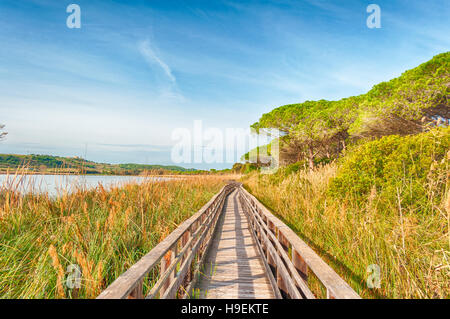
column 114, row 175
column 102, row 175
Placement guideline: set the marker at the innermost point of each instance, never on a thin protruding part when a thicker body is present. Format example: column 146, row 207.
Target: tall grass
column 101, row 231
column 412, row 249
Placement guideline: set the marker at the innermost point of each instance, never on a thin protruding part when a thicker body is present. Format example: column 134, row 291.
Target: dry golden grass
column 411, row 249
column 101, row 231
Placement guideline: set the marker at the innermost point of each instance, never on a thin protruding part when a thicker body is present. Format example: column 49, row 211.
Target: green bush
column 249, row 167
column 408, row 104
column 414, row 166
column 292, row 168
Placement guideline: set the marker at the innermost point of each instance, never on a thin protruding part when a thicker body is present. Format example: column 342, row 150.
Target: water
column 57, row 184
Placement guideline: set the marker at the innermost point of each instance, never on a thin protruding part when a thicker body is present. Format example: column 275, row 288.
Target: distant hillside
column 76, row 165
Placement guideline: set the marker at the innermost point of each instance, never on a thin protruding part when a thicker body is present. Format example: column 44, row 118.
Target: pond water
column 54, row 184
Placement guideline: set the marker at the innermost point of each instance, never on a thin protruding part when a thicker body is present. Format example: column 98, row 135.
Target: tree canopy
column 409, row 104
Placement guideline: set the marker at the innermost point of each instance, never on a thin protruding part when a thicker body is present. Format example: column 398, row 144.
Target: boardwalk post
column 173, row 256
column 188, row 235
column 300, row 265
column 283, row 241
column 165, row 262
column 137, row 292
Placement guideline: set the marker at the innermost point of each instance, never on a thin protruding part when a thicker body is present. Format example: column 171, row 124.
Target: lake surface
column 57, row 184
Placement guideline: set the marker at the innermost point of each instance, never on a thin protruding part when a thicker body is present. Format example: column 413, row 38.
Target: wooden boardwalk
column 233, row 267
column 232, row 248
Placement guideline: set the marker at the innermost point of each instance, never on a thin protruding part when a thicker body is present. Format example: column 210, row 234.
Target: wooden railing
column 287, row 258
column 172, row 268
column 174, row 261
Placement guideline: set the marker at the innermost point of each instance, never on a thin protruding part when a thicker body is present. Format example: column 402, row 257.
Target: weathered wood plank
column 234, row 268
column 335, row 285
column 231, row 244
column 287, row 278
column 127, row 282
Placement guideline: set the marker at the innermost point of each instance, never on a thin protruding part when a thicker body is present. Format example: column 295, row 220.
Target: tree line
column 315, row 131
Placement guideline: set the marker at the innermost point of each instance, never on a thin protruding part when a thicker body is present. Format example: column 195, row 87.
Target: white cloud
column 150, row 56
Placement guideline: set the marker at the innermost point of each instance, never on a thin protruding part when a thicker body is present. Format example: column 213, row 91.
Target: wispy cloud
column 225, row 62
column 152, row 58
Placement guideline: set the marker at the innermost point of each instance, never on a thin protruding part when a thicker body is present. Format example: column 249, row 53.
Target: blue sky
column 116, row 89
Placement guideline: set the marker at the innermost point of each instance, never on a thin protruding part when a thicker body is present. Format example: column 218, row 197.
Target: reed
column 102, row 232
column 411, row 246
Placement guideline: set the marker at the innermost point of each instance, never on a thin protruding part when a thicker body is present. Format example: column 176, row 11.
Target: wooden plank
column 191, row 246
column 289, row 277
column 126, row 283
column 300, row 264
column 206, row 245
column 187, row 265
column 234, row 266
column 229, row 246
column 137, row 292
column 256, row 232
column 336, row 286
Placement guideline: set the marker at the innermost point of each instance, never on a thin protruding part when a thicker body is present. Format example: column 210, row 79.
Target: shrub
column 396, row 165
